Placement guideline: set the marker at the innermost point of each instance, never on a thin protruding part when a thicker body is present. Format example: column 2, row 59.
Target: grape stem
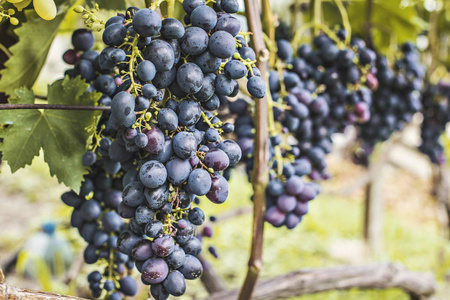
column 260, row 173
column 317, row 15
column 170, row 8
column 345, row 21
column 52, row 106
column 269, row 30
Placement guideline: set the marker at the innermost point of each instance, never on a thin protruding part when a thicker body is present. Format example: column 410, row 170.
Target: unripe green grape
column 46, row 9
column 13, row 21
column 78, row 9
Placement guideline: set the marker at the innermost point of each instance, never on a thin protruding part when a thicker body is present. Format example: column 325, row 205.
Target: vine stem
column 317, row 15
column 269, row 30
column 170, row 8
column 345, row 21
column 261, row 156
column 369, row 24
column 52, row 106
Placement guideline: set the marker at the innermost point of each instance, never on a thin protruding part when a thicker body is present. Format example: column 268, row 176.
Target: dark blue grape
column 199, row 182
column 192, row 268
column 158, row 292
column 163, row 246
column 256, row 87
column 230, row 6
column 212, row 135
column 122, row 106
column 219, row 189
column 235, row 69
column 100, row 238
column 154, row 228
column 155, row 270
column 161, row 54
column 111, row 221
column 196, row 216
column 175, row 283
column 190, row 78
column 189, row 112
column 156, row 198
column 193, row 247
column 72, row 199
column 178, row 170
column 190, row 5
column 285, row 50
column 142, row 250
column 212, row 104
column 224, row 85
column 149, row 90
column 222, row 44
column 194, row 41
column 216, row 159
column 114, row 34
column 146, row 70
column 90, row 254
column 247, row 53
column 82, row 39
column 232, row 149
column 105, row 84
column 207, row 62
column 133, row 194
column 172, row 29
column 114, row 19
column 85, row 69
column 228, row 24
column 184, row 145
column 176, row 258
column 166, row 153
column 147, row 22
column 164, row 79
column 126, row 211
column 167, row 119
column 128, row 286
column 126, row 242
column 153, row 174
column 204, row 17
column 90, row 210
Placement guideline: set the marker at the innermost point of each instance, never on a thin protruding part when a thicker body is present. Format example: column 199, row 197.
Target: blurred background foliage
column 331, row 234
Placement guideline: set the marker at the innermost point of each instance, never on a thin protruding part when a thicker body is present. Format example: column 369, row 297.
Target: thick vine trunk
column 311, row 281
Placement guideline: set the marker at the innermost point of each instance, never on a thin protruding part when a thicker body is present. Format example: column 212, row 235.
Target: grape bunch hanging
column 161, row 145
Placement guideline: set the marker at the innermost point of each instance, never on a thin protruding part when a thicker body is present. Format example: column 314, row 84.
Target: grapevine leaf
column 22, row 95
column 29, row 53
column 108, row 4
column 62, row 134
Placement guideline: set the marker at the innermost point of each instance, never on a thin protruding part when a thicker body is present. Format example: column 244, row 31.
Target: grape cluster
column 99, row 224
column 394, row 102
column 436, row 115
column 315, row 94
column 96, row 206
column 163, row 81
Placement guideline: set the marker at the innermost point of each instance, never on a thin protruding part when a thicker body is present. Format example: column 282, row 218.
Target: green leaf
column 29, row 54
column 108, row 4
column 391, row 21
column 62, row 134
